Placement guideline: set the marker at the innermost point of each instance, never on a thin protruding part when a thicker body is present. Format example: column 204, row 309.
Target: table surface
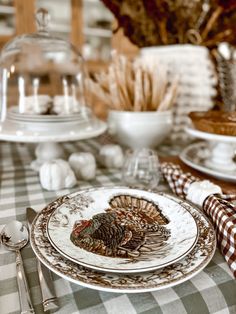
column 213, row 290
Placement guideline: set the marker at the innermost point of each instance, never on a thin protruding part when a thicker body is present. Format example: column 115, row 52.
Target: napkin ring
column 200, row 190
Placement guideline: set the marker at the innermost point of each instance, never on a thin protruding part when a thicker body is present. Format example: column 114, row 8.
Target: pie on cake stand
column 216, row 156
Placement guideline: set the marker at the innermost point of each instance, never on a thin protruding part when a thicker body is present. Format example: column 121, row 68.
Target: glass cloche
column 41, row 77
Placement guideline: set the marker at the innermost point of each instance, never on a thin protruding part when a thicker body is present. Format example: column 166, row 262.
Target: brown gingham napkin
column 218, row 208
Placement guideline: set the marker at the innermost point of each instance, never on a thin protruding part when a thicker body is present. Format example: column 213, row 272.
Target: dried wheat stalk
column 133, row 86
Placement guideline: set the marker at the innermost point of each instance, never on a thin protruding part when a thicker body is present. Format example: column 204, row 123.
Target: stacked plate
column 123, row 240
column 36, row 121
column 13, row 114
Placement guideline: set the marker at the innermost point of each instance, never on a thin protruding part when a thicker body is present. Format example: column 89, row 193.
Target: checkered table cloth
column 213, row 290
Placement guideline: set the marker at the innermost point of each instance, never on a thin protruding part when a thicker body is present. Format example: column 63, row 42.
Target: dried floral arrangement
column 133, row 86
column 166, row 22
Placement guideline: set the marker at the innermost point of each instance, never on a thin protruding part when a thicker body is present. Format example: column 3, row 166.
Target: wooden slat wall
column 77, row 37
column 25, row 16
column 24, row 19
column 4, row 40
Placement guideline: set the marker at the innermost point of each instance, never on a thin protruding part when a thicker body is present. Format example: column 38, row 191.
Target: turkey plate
column 122, row 229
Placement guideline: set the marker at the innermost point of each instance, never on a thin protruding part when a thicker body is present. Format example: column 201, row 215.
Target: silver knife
column 50, row 302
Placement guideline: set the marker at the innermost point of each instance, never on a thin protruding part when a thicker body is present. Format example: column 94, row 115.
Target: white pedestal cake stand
column 48, row 136
column 215, row 156
column 222, row 149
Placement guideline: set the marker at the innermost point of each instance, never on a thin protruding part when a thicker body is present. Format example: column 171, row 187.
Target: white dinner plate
column 196, row 156
column 122, row 230
column 13, row 114
column 168, row 276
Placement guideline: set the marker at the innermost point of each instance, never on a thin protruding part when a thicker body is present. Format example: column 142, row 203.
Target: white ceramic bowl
column 139, row 129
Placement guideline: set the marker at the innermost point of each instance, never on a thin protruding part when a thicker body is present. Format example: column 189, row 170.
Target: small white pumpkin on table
column 56, row 175
column 111, row 156
column 83, row 165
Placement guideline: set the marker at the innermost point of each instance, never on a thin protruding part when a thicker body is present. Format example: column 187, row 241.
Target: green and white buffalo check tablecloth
column 213, row 290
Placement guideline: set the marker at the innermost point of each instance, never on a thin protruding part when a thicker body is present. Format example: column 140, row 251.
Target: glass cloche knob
column 43, row 19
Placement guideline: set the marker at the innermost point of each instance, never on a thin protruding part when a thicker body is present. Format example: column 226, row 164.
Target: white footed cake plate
column 221, row 151
column 197, row 156
column 53, row 133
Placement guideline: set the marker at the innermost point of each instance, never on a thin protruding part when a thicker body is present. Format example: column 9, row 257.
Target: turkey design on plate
column 122, row 229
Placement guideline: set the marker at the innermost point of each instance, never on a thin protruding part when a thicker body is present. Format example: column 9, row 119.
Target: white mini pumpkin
column 56, row 175
column 84, row 165
column 111, row 156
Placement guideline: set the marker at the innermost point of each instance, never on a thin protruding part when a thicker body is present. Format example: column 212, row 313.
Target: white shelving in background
column 99, row 32
column 7, row 9
column 7, row 13
column 96, row 29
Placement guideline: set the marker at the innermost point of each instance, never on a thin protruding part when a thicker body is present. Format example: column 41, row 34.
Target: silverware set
column 14, row 236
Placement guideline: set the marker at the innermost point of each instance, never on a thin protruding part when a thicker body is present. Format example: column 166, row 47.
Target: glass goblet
column 141, row 169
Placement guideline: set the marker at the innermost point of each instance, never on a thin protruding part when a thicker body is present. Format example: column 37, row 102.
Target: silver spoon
column 14, row 236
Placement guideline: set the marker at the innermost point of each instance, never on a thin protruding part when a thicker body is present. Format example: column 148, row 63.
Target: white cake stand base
column 46, row 152
column 222, row 155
